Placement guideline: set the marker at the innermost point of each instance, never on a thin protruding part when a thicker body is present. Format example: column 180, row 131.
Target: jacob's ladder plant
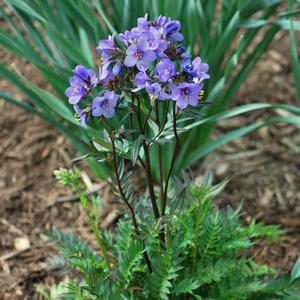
column 170, row 243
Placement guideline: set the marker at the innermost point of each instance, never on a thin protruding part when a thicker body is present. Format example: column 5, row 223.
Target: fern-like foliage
column 74, row 249
column 165, row 269
column 205, row 256
column 129, row 252
column 210, row 235
column 79, row 255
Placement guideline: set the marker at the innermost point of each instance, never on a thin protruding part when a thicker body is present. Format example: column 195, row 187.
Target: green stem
column 147, row 118
column 149, row 174
column 164, row 122
column 160, row 161
column 173, row 160
column 130, row 208
column 132, row 111
column 100, row 243
column 94, row 226
column 147, row 165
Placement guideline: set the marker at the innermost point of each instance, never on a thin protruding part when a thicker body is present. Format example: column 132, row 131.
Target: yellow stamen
column 201, row 95
column 76, row 117
column 152, row 97
column 138, row 55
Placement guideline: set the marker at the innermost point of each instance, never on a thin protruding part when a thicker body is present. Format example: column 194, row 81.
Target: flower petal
column 108, row 112
column 181, row 103
column 75, row 99
column 143, row 45
column 193, row 100
column 149, row 56
column 97, row 110
column 131, row 50
column 130, row 61
column 175, row 93
column 163, row 96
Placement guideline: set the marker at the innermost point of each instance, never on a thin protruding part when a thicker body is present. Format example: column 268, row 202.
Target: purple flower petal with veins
column 107, row 45
column 105, row 105
column 172, row 31
column 140, row 79
column 86, row 75
column 165, row 70
column 196, row 70
column 105, row 74
column 117, row 69
column 186, row 94
column 77, row 90
column 139, row 55
column 143, row 25
column 155, row 90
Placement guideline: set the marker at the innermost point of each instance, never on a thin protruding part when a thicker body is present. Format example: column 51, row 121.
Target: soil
column 263, row 169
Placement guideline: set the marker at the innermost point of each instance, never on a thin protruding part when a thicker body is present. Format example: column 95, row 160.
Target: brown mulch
column 262, row 168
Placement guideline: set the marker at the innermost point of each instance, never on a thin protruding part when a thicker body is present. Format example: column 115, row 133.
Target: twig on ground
column 109, row 219
column 12, row 254
column 12, row 227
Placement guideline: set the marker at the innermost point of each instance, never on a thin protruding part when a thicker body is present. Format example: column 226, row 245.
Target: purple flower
column 165, row 70
column 185, row 62
column 140, row 79
column 117, row 69
column 125, row 37
column 156, row 43
column 77, row 91
column 107, row 48
column 197, row 71
column 200, row 69
column 186, row 94
column 105, row 105
column 185, row 57
column 172, row 31
column 181, row 49
column 161, row 21
column 139, row 55
column 107, row 45
column 105, row 74
column 155, row 91
column 81, row 114
column 143, row 25
column 86, row 75
column 153, row 56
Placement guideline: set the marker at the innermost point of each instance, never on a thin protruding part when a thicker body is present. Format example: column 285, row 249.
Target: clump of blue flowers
column 150, row 58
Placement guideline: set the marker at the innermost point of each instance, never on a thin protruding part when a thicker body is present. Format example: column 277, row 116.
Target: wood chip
column 22, row 243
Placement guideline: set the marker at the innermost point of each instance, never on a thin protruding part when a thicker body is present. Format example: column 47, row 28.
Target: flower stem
column 161, row 184
column 132, row 111
column 149, row 174
column 130, row 208
column 147, row 165
column 173, row 159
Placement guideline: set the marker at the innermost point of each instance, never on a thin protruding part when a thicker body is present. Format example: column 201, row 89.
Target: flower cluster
column 149, row 58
